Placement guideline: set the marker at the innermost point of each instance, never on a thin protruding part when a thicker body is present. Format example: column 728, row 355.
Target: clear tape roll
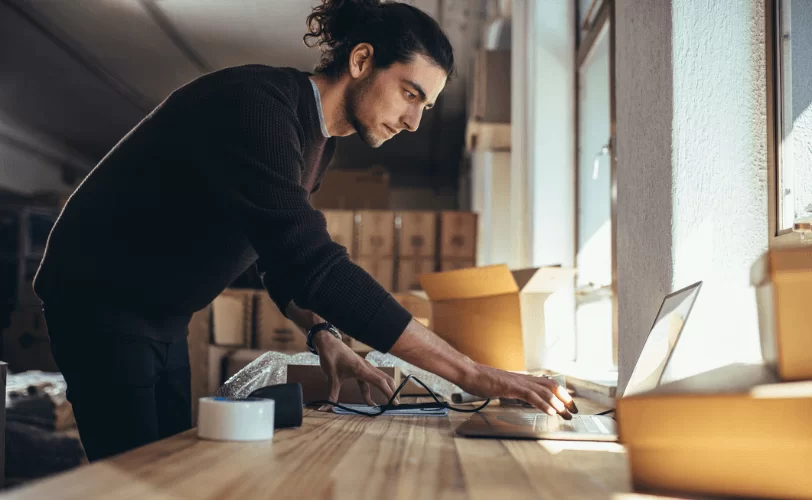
column 231, row 419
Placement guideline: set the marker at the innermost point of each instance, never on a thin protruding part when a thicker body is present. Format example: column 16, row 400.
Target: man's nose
column 411, row 121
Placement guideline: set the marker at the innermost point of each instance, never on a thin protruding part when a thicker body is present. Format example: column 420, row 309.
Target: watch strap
column 318, row 328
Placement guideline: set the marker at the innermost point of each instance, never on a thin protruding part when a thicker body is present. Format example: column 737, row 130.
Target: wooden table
column 333, row 456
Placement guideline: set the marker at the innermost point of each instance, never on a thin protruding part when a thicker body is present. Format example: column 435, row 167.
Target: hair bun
column 334, row 21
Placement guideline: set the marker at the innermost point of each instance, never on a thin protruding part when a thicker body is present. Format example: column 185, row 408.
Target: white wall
column 552, row 146
column 539, row 199
column 24, row 171
column 691, row 167
column 521, row 120
column 490, row 183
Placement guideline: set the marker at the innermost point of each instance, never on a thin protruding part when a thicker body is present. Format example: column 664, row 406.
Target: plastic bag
column 36, row 383
column 438, row 385
column 271, row 369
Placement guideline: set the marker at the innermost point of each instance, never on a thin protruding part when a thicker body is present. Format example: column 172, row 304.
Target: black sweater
column 216, row 179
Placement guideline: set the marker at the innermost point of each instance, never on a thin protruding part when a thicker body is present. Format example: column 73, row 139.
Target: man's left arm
column 339, row 362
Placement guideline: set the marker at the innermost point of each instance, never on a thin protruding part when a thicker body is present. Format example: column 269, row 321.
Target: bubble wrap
column 271, row 369
column 440, row 386
column 35, row 382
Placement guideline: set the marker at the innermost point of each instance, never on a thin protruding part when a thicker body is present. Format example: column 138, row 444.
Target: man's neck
column 332, row 105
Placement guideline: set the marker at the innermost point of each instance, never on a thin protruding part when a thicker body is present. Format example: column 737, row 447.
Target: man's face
column 383, row 102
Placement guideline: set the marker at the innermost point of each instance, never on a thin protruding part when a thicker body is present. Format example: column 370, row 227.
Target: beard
column 352, row 102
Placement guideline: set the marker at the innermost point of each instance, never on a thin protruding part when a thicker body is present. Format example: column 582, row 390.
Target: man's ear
column 361, row 60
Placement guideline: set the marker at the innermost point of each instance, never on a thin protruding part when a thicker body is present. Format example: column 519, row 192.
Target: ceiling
column 84, row 73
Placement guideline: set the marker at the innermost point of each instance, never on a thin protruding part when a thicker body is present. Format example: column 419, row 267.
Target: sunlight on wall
column 719, row 205
column 692, row 173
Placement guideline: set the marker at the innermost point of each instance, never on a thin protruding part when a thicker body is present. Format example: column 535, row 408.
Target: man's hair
column 396, row 31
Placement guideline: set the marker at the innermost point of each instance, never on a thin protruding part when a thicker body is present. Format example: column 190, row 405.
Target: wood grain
column 350, row 457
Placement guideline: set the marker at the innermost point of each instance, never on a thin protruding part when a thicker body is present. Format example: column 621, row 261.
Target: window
column 789, row 36
column 595, row 302
column 587, row 16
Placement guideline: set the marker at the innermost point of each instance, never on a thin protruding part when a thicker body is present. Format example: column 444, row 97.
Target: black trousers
column 126, row 390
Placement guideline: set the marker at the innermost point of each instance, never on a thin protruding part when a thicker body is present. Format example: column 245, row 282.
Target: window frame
column 778, row 237
column 585, row 44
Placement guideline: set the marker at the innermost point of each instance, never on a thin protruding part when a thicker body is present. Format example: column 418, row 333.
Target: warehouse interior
column 588, row 160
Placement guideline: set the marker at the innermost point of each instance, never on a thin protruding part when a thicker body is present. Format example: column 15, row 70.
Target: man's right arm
column 423, row 348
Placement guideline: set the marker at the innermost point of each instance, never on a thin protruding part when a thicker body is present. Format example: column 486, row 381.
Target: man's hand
column 543, row 393
column 340, row 363
column 421, row 347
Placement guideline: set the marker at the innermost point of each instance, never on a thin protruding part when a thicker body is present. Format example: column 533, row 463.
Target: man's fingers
column 535, row 400
column 563, row 395
column 381, row 380
column 366, row 393
column 552, row 400
column 335, row 389
column 559, row 391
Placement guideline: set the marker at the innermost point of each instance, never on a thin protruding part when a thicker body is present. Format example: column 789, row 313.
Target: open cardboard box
column 783, row 284
column 483, row 311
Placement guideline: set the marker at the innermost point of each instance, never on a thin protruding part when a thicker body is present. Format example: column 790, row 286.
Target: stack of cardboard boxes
column 417, row 248
column 739, row 430
column 457, row 240
column 396, row 248
column 248, row 318
column 376, row 245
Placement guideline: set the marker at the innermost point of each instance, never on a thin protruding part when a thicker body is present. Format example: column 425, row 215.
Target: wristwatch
column 316, row 329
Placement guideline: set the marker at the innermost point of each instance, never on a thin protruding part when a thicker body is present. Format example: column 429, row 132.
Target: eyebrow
column 420, row 91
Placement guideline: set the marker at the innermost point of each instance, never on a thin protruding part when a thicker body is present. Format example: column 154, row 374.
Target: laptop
column 647, row 374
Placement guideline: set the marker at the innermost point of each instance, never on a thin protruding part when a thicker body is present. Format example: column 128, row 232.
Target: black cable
column 604, row 412
column 389, row 406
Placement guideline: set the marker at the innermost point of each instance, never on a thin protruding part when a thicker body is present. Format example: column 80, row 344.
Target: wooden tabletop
column 351, row 457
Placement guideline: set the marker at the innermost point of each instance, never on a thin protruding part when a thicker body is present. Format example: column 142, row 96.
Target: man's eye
column 410, row 96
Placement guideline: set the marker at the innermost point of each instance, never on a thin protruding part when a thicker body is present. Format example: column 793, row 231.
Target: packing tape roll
column 231, row 419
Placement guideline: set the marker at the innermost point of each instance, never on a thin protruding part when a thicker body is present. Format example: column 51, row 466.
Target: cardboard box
column 410, row 270
column 353, row 190
column 783, row 285
column 483, row 311
column 416, row 303
column 233, row 317
column 382, row 269
column 341, row 226
column 238, row 359
column 26, row 344
column 376, row 233
column 733, row 431
column 458, row 235
column 418, row 234
column 275, row 332
column 454, row 264
column 491, row 86
column 218, row 361
column 314, row 385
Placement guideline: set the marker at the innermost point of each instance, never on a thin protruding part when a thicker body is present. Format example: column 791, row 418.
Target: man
column 217, row 179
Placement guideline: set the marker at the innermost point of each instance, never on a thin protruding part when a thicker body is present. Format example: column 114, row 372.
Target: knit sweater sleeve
column 259, row 141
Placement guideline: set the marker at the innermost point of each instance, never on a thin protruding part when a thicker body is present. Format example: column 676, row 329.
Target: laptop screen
column 661, row 340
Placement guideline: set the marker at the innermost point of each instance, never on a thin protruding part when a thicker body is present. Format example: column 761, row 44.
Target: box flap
column 780, row 261
column 469, row 283
column 544, row 279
